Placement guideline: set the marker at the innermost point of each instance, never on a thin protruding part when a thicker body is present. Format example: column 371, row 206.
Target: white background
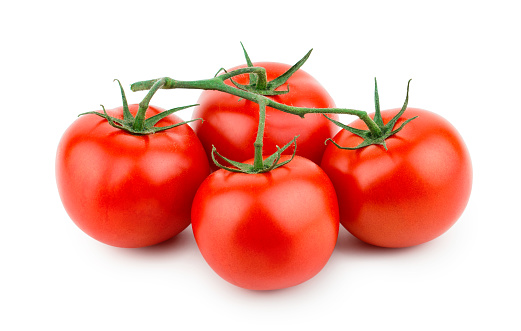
column 59, row 59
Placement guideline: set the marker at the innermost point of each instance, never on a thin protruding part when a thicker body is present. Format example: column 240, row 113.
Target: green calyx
column 261, row 86
column 260, row 164
column 376, row 135
column 266, row 165
column 139, row 125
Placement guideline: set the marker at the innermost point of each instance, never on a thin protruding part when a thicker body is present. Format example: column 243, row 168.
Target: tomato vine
column 257, row 90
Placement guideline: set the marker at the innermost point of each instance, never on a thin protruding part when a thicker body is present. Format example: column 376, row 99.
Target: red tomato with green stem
column 230, row 124
column 129, row 190
column 268, row 230
column 408, row 194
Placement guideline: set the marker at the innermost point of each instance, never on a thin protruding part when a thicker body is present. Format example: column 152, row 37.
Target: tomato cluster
column 277, row 227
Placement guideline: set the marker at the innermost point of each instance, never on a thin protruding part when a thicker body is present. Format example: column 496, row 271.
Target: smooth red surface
column 267, row 231
column 231, row 125
column 407, row 195
column 127, row 190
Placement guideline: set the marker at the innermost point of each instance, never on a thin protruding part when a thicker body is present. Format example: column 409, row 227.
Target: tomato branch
column 217, row 83
column 257, row 160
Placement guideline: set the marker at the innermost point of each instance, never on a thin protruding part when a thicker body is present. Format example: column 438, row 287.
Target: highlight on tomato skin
column 230, row 124
column 405, row 196
column 267, row 231
column 129, row 190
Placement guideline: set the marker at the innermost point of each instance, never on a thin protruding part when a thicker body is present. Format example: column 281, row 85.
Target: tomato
column 231, row 124
column 129, row 190
column 409, row 194
column 267, row 231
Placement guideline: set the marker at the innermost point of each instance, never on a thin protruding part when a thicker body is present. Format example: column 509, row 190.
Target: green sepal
column 275, row 83
column 253, row 77
column 274, row 158
column 151, row 121
column 252, row 87
column 115, row 122
column 279, row 81
column 125, row 126
column 392, row 122
column 377, row 115
column 127, row 123
column 361, row 145
column 270, row 163
column 239, row 167
column 366, row 135
column 387, row 130
column 157, row 129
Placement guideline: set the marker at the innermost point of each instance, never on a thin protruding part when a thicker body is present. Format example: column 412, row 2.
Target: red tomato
column 127, row 190
column 267, row 231
column 231, row 125
column 409, row 194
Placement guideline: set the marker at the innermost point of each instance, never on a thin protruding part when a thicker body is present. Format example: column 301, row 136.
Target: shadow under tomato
column 350, row 245
column 183, row 242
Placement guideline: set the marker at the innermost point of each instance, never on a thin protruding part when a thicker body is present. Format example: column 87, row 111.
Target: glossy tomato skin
column 267, row 231
column 231, row 125
column 409, row 194
column 127, row 190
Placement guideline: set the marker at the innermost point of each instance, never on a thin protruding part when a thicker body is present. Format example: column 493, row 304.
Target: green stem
column 258, row 163
column 301, row 111
column 217, row 83
column 139, row 122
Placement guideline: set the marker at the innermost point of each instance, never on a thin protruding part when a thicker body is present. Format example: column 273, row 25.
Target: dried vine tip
column 271, row 86
column 268, row 164
column 387, row 130
column 128, row 122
